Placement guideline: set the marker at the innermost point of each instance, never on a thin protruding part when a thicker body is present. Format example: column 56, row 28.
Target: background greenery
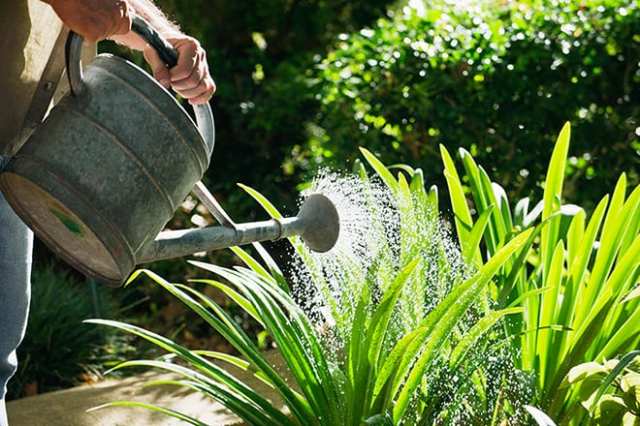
column 496, row 78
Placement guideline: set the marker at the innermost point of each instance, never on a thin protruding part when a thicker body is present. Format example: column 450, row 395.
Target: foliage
column 381, row 370
column 574, row 277
column 569, row 288
column 58, row 350
column 495, row 78
column 609, row 392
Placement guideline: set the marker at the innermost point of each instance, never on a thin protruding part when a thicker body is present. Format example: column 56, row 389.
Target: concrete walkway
column 68, row 407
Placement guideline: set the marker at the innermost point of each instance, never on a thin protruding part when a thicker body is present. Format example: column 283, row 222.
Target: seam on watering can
column 115, row 232
column 203, row 167
column 280, row 229
column 129, row 153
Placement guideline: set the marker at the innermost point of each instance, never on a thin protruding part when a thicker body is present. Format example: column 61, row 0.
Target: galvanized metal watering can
column 105, row 172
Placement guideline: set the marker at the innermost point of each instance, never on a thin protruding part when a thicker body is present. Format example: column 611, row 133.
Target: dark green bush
column 498, row 78
column 59, row 350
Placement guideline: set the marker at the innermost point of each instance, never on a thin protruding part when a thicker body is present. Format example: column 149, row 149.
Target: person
column 31, row 38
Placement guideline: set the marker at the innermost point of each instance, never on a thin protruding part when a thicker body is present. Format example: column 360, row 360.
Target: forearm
column 152, row 14
column 157, row 19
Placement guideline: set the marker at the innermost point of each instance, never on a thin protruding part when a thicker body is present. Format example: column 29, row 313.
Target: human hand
column 190, row 77
column 94, row 20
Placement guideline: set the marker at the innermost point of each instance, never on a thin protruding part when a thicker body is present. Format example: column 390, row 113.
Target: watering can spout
column 317, row 223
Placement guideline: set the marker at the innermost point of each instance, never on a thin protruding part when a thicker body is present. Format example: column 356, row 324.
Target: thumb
column 159, row 69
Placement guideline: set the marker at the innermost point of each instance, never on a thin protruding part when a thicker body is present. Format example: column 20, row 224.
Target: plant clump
column 403, row 324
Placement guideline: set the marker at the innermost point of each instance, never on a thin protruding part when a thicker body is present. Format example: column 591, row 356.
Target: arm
column 96, row 20
column 154, row 16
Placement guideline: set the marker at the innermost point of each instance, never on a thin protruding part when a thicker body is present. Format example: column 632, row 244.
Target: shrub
column 494, row 79
column 608, row 392
column 59, row 350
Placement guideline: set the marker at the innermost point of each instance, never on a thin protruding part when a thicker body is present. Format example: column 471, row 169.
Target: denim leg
column 3, row 414
column 16, row 245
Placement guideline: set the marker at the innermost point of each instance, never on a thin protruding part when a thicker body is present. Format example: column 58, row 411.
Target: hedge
column 498, row 78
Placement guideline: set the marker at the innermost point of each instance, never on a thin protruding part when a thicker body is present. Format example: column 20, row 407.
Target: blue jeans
column 16, row 245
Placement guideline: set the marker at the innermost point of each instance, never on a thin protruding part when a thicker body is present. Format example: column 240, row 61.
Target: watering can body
column 107, row 169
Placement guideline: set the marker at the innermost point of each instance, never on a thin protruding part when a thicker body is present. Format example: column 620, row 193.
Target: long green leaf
column 472, row 247
column 381, row 170
column 476, row 332
column 233, row 295
column 236, row 397
column 463, row 219
column 382, row 315
column 151, row 407
column 225, row 325
column 549, row 304
column 263, row 201
column 553, row 194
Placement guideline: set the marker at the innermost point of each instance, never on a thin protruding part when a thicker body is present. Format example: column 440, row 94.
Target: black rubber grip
column 165, row 50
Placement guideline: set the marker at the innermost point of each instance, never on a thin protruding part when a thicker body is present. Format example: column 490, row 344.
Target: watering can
column 100, row 178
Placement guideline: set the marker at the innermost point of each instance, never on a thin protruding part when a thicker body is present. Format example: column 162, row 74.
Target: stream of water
column 378, row 235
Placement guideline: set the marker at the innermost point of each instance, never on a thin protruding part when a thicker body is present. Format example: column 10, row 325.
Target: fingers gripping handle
column 167, row 53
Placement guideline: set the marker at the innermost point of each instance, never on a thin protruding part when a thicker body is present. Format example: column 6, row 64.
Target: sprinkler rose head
column 321, row 223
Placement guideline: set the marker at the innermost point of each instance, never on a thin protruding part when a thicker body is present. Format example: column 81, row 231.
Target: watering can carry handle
column 167, row 53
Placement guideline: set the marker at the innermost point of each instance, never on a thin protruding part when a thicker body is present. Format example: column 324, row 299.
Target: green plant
column 59, row 350
column 387, row 365
column 609, row 392
column 567, row 282
column 574, row 277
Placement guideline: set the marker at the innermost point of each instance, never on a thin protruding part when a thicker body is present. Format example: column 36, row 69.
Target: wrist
column 154, row 16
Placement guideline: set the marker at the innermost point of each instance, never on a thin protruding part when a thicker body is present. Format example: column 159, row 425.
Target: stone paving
column 69, row 407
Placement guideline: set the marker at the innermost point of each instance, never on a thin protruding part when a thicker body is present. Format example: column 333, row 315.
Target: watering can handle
column 167, row 53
